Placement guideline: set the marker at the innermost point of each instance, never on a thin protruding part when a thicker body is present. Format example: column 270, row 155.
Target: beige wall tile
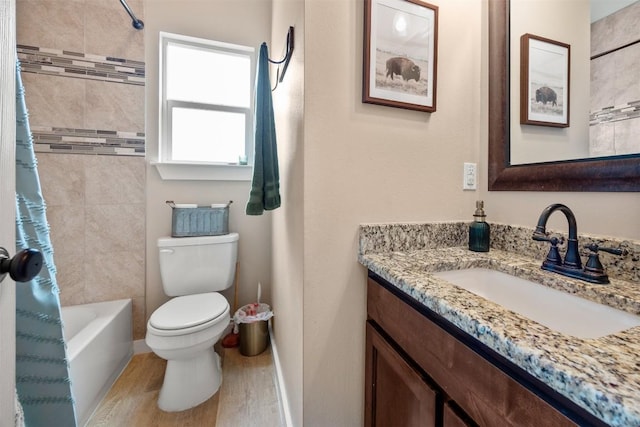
column 54, row 101
column 114, row 275
column 67, row 229
column 114, row 180
column 602, row 84
column 62, row 178
column 139, row 319
column 114, row 228
column 71, row 278
column 614, row 30
column 602, row 139
column 51, row 23
column 626, row 132
column 109, row 31
column 114, row 106
column 627, row 64
column 67, row 238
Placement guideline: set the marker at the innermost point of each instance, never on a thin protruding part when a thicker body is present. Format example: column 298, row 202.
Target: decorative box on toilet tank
column 190, row 220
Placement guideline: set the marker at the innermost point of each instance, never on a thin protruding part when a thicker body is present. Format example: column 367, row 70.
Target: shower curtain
column 42, row 372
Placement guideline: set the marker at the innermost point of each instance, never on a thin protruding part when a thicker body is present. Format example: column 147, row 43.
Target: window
column 206, row 99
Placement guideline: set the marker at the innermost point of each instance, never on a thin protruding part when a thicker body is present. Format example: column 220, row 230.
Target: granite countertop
column 601, row 375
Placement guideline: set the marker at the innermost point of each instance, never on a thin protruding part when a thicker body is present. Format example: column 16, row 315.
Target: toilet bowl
column 193, row 371
column 185, row 328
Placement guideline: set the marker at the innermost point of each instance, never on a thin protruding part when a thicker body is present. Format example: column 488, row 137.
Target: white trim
column 7, row 207
column 203, row 171
column 197, row 40
column 285, row 410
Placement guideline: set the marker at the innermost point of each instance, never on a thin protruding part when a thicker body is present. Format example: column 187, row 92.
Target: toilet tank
column 194, row 265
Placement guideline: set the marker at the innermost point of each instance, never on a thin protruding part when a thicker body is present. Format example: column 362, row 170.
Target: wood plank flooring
column 247, row 396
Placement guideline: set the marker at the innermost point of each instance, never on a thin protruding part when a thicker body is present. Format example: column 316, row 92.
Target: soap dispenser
column 479, row 230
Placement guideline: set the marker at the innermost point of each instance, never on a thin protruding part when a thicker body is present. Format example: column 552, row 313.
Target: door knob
column 24, row 266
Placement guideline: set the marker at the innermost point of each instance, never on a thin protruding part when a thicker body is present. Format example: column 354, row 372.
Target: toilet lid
column 188, row 311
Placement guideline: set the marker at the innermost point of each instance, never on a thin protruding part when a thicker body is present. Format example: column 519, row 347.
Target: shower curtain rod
column 137, row 24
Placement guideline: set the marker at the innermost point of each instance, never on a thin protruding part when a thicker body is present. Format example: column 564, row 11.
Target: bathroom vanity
column 437, row 354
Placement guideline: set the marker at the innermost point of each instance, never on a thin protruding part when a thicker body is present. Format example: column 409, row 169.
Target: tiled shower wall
column 83, row 71
column 615, row 88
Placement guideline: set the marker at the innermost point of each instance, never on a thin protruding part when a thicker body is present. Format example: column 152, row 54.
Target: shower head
column 136, row 23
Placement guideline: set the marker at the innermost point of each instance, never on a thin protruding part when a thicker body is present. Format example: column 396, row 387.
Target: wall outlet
column 469, row 176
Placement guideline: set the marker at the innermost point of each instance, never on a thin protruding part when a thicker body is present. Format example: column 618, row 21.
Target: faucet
column 572, row 264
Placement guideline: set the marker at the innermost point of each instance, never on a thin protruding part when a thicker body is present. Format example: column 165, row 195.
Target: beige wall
column 369, row 163
column 217, row 20
column 95, row 203
column 288, row 221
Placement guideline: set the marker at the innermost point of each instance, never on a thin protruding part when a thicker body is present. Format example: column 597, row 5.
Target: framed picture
column 544, row 81
column 400, row 54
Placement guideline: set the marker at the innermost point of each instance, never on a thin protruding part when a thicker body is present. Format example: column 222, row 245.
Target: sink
column 557, row 310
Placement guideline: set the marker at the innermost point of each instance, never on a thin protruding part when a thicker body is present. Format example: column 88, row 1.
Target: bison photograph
column 546, row 94
column 400, row 54
column 403, row 67
column 401, row 73
column 546, row 99
column 544, row 89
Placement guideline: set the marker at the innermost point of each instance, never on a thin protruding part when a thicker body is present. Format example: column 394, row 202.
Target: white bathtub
column 99, row 346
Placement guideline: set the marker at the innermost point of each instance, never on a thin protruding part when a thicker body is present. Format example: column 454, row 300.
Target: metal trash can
column 254, row 331
column 254, row 338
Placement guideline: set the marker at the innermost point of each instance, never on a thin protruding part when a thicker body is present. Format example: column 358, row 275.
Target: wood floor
column 247, row 396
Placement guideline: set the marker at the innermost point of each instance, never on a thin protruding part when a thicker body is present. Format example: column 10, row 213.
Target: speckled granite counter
column 601, row 375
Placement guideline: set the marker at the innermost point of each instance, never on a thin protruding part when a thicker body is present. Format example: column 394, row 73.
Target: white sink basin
column 560, row 311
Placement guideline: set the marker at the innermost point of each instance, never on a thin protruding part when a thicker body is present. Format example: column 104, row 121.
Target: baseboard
column 140, row 346
column 285, row 410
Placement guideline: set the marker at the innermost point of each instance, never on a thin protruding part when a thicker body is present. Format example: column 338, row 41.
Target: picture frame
column 544, row 81
column 400, row 54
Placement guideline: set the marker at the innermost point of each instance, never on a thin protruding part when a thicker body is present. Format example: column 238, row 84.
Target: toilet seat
column 188, row 314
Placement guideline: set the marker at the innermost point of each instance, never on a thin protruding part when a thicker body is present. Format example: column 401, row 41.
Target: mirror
column 619, row 173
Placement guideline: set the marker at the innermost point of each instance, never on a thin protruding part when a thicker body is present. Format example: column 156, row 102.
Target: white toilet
column 184, row 329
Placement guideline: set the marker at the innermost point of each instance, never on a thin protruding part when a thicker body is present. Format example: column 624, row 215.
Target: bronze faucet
column 572, row 264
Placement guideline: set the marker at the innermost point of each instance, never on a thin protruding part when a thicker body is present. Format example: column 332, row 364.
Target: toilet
column 184, row 329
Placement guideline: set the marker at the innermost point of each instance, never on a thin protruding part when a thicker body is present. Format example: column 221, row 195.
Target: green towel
column 265, row 188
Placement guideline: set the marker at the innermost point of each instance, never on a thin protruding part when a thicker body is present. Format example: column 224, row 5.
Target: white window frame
column 170, row 169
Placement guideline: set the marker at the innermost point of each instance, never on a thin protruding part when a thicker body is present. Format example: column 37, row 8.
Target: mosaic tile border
column 41, row 60
column 63, row 63
column 87, row 141
column 630, row 110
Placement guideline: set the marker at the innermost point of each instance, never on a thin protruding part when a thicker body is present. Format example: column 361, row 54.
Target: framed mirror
column 615, row 173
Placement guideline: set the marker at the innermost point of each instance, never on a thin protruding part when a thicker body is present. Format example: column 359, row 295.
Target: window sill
column 203, row 171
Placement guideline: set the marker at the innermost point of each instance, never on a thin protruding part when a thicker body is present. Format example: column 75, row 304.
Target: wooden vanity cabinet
column 397, row 394
column 420, row 372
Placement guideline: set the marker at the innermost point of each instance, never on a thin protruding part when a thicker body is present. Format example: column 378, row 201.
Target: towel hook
column 285, row 60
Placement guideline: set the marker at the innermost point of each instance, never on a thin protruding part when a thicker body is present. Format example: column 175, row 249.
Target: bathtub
column 99, row 346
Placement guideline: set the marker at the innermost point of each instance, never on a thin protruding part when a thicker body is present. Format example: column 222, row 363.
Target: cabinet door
column 395, row 394
column 453, row 418
column 487, row 394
